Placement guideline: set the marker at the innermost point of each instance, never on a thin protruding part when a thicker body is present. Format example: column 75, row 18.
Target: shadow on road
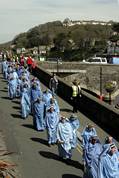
column 28, row 126
column 4, row 81
column 40, row 140
column 65, row 110
column 16, row 115
column 5, row 97
column 4, row 91
column 16, row 107
column 16, row 102
column 72, row 163
column 70, row 176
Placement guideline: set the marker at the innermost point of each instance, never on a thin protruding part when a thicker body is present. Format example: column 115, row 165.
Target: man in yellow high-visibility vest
column 76, row 93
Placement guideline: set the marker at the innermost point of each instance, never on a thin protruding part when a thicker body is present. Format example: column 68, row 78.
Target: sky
column 17, row 16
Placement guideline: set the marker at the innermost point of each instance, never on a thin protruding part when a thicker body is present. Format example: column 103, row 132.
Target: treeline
column 69, row 42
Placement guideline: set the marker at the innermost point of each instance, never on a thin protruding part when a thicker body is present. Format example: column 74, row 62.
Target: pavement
column 6, row 158
column 32, row 155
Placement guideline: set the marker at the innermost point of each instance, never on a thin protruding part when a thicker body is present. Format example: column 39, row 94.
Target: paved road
column 32, row 154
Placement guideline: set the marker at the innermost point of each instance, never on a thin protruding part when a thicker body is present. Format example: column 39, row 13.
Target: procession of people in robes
column 99, row 160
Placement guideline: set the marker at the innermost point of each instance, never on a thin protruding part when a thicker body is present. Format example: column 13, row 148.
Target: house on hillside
column 68, row 22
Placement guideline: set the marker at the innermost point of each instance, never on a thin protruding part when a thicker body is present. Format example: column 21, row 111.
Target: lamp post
column 101, row 82
column 57, row 66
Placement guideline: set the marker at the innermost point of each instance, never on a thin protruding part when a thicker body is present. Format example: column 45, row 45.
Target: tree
column 34, row 37
column 45, row 40
column 59, row 41
column 115, row 27
column 20, row 41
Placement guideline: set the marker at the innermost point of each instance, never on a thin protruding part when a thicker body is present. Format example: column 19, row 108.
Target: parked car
column 96, row 60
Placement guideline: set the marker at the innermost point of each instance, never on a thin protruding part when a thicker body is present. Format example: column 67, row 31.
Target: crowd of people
column 42, row 105
column 100, row 160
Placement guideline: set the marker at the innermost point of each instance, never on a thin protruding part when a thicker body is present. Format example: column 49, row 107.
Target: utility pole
column 101, row 82
column 57, row 66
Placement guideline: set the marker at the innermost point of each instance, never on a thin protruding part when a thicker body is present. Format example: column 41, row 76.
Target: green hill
column 73, row 42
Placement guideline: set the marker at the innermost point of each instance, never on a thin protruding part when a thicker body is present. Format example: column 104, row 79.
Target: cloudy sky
column 18, row 16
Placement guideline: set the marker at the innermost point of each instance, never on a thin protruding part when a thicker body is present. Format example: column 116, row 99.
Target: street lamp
column 57, row 66
column 101, row 82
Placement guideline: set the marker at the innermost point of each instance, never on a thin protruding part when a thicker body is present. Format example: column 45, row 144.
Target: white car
column 96, row 60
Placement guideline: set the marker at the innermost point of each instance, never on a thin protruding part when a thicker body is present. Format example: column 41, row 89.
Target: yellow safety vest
column 74, row 91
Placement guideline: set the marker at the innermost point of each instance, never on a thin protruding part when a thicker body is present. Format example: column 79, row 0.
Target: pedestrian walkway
column 6, row 162
column 32, row 154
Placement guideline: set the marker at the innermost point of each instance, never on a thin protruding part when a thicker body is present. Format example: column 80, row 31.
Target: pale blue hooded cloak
column 75, row 126
column 46, row 97
column 12, row 86
column 86, row 134
column 108, row 164
column 91, row 157
column 39, row 121
column 25, row 103
column 64, row 137
column 52, row 120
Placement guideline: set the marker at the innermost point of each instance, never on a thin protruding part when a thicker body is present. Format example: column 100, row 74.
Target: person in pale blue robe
column 17, row 68
column 35, row 93
column 12, row 86
column 91, row 157
column 37, row 81
column 109, row 141
column 20, row 71
column 27, row 74
column 25, row 102
column 18, row 91
column 74, row 121
column 46, row 96
column 64, row 138
column 54, row 103
column 109, row 163
column 88, row 131
column 9, row 70
column 25, row 81
column 52, row 120
column 39, row 120
column 15, row 75
column 4, row 62
column 4, row 68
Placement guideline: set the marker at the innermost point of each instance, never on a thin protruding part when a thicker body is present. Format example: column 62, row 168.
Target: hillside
column 46, row 33
column 75, row 42
column 5, row 46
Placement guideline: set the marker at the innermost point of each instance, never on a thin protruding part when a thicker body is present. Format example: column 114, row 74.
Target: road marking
column 79, row 149
column 79, row 146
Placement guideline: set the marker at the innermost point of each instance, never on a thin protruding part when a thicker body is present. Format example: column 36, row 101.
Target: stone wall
column 98, row 111
column 89, row 75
